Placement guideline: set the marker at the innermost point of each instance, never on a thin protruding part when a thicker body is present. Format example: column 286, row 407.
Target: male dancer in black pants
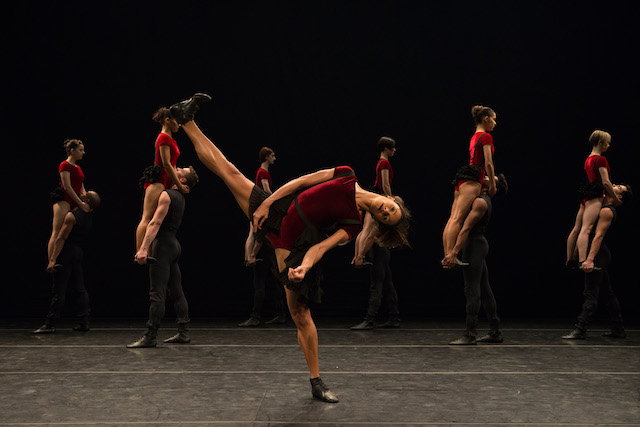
column 66, row 267
column 596, row 273
column 474, row 246
column 164, row 271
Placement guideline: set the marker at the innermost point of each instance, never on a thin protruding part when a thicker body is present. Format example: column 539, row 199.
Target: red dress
column 263, row 174
column 323, row 204
column 382, row 165
column 77, row 179
column 174, row 151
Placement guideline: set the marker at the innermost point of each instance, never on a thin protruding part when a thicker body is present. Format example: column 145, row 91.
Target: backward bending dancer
column 292, row 219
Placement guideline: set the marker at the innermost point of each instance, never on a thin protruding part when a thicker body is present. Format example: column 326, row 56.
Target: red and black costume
column 303, row 219
column 594, row 187
column 263, row 174
column 77, row 179
column 383, row 164
column 157, row 173
column 475, row 171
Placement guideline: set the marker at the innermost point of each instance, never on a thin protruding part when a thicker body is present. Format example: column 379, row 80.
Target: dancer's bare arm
column 604, row 222
column 488, row 166
column 65, row 177
column 315, row 254
column 478, row 209
column 364, row 241
column 608, row 187
column 165, row 156
column 164, row 201
column 261, row 214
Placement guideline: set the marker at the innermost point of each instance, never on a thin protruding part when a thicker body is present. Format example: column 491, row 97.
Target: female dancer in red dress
column 67, row 196
column 303, row 219
column 468, row 180
column 591, row 194
column 162, row 174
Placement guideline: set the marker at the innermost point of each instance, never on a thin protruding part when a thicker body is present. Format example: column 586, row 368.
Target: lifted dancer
column 469, row 178
column 474, row 246
column 596, row 271
column 164, row 274
column 296, row 219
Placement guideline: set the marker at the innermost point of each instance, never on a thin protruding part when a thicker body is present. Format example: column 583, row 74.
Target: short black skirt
column 56, row 195
column 150, row 175
column 590, row 190
column 309, row 289
column 469, row 173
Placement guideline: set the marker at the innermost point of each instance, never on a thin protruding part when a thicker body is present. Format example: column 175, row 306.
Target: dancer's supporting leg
column 462, row 200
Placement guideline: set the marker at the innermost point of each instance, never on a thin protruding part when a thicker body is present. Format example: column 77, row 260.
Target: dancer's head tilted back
column 393, row 219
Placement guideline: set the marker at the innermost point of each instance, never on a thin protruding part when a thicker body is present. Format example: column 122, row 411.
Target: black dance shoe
column 365, row 325
column 278, row 320
column 465, row 340
column 391, row 323
column 615, row 333
column 576, row 334
column 184, row 111
column 144, row 342
column 251, row 322
column 320, row 391
column 81, row 327
column 179, row 338
column 492, row 338
column 44, row 329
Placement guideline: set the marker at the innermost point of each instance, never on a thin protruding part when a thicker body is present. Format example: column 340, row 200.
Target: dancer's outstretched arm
column 315, row 254
column 261, row 214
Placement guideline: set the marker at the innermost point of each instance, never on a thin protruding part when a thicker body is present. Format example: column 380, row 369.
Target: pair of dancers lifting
column 469, row 178
column 294, row 220
column 163, row 174
column 591, row 194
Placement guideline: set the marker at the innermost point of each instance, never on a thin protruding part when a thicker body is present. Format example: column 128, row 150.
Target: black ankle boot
column 184, row 111
column 320, row 391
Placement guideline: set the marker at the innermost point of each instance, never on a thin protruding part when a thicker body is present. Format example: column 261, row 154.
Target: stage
column 257, row 376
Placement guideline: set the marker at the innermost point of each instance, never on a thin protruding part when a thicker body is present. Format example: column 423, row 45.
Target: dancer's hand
column 51, row 267
column 184, row 189
column 85, row 206
column 297, row 274
column 357, row 261
column 449, row 261
column 250, row 261
column 141, row 256
column 260, row 215
column 587, row 266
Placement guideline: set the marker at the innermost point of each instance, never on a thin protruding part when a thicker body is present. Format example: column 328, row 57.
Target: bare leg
column 573, row 236
column 60, row 210
column 149, row 205
column 589, row 217
column 213, row 159
column 460, row 208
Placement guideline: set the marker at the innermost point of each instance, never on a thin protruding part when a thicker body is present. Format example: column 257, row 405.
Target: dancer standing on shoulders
column 303, row 219
column 68, row 195
column 380, row 277
column 469, row 178
column 163, row 174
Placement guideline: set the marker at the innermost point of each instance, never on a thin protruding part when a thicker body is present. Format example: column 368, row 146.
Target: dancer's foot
column 576, row 334
column 81, row 327
column 465, row 340
column 250, row 322
column 390, row 323
column 184, row 111
column 615, row 334
column 44, row 329
column 144, row 342
column 179, row 338
column 278, row 320
column 492, row 338
column 320, row 391
column 362, row 326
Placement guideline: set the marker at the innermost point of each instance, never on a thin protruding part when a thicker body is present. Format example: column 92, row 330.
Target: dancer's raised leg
column 215, row 160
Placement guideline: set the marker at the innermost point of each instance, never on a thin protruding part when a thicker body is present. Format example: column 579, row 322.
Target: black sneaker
column 320, row 391
column 278, row 320
column 179, row 338
column 492, row 338
column 44, row 329
column 576, row 334
column 391, row 323
column 615, row 334
column 250, row 322
column 363, row 326
column 144, row 342
column 184, row 111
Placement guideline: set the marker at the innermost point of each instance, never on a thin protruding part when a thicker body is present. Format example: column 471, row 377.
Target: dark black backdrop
column 320, row 82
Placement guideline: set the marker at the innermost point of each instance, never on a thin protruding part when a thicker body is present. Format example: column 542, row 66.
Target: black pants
column 381, row 284
column 262, row 274
column 166, row 279
column 477, row 289
column 596, row 285
column 70, row 277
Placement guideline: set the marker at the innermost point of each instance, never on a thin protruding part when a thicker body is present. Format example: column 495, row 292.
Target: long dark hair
column 397, row 235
